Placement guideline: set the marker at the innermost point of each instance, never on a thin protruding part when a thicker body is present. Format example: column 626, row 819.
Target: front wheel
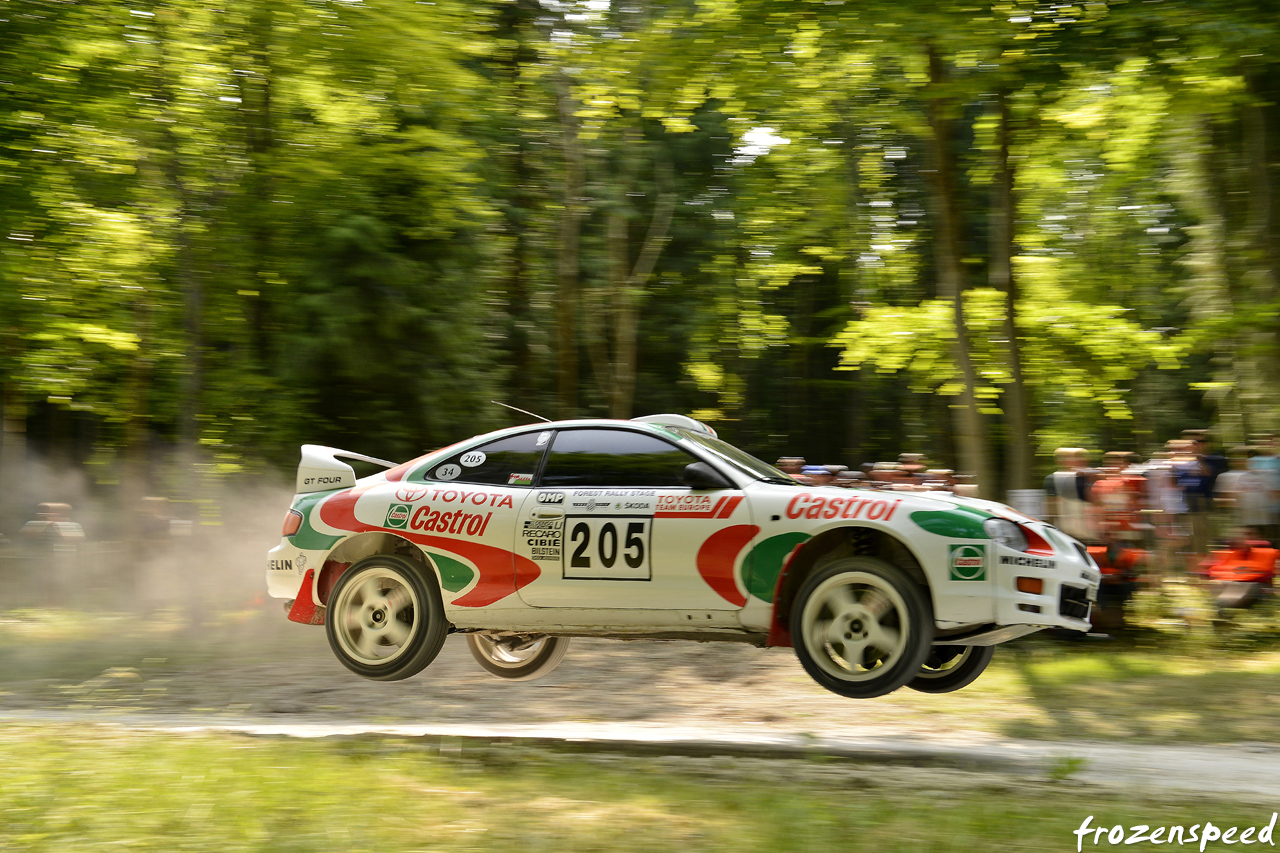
column 861, row 627
column 948, row 668
column 384, row 618
column 517, row 658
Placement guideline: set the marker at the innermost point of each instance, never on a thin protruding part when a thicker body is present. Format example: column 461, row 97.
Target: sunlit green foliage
column 273, row 221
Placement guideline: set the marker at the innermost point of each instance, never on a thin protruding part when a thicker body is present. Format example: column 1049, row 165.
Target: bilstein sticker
column 968, row 562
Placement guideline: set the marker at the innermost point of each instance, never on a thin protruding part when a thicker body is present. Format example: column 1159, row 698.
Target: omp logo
column 968, row 562
column 550, row 497
column 398, row 516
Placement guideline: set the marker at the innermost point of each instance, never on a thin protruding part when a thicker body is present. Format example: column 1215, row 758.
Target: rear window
column 510, row 461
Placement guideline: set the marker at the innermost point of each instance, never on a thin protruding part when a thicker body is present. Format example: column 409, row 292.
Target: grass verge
column 89, row 789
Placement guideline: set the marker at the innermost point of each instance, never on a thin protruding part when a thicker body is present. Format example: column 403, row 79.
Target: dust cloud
column 70, row 544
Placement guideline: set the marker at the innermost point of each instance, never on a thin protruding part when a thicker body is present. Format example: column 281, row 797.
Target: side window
column 599, row 458
column 509, row 461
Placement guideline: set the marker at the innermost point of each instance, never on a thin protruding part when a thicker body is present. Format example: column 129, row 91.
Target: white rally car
column 654, row 528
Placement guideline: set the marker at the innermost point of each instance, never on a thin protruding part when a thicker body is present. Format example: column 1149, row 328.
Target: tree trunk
column 854, row 443
column 969, row 428
column 1018, row 447
column 627, row 298
column 257, row 91
column 1260, row 153
column 13, row 456
column 567, row 258
column 187, row 279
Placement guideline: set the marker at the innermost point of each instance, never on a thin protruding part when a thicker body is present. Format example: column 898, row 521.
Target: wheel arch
column 845, row 541
column 363, row 545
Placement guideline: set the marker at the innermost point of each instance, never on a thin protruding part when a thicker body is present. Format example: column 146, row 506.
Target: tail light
column 292, row 522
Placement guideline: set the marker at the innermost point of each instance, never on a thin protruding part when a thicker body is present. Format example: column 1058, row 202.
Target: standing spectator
column 1243, row 493
column 913, row 465
column 1168, row 507
column 51, row 541
column 850, row 479
column 1195, row 477
column 1067, row 493
column 1266, row 462
column 793, row 467
column 818, row 475
column 1119, row 496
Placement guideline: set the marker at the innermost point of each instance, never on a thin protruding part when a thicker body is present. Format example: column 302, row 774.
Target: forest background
column 837, row 229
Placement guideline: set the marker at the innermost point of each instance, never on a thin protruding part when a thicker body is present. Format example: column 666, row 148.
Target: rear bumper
column 286, row 567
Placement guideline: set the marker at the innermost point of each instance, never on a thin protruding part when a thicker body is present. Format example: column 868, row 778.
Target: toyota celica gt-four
column 655, row 528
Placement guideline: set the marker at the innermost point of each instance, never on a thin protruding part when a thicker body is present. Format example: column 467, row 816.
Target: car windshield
column 744, row 462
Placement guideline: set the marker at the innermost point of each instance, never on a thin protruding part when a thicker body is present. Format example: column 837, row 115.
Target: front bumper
column 1068, row 584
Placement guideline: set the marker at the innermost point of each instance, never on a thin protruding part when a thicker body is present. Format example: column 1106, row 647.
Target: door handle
column 548, row 513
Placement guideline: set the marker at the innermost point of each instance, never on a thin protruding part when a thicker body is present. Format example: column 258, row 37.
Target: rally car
column 655, row 528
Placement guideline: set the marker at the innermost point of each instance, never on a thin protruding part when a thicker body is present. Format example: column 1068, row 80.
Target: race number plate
column 607, row 547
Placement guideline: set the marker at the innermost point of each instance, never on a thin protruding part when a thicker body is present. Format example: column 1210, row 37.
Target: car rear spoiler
column 320, row 471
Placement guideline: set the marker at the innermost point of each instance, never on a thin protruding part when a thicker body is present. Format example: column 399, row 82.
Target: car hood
column 940, row 500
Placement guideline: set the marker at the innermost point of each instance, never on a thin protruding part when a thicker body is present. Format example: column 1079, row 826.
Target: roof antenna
column 521, row 411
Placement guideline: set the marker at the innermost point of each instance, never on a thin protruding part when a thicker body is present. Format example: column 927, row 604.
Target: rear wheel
column 384, row 618
column 861, row 627
column 949, row 668
column 517, row 657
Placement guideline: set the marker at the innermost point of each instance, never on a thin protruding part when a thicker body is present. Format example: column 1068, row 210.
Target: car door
column 613, row 525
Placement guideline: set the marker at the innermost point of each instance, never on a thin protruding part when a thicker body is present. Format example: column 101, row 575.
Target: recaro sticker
column 968, row 562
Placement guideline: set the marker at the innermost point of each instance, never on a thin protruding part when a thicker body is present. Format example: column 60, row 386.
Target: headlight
column 1006, row 533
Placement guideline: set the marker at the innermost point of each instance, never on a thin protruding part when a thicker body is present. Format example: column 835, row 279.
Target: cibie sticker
column 448, row 472
column 968, row 562
column 472, row 459
column 398, row 516
column 520, row 480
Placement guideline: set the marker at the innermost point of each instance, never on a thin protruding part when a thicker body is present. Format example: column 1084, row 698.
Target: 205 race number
column 607, row 547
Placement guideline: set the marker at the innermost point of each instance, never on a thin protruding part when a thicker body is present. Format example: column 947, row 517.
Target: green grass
column 88, row 789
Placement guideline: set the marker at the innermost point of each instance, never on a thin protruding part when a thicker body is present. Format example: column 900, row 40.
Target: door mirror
column 700, row 476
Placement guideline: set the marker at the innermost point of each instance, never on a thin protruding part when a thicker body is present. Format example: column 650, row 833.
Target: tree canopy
column 843, row 230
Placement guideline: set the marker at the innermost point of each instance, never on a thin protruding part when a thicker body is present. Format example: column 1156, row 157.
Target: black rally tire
column 385, row 619
column 510, row 663
column 861, row 627
column 948, row 668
